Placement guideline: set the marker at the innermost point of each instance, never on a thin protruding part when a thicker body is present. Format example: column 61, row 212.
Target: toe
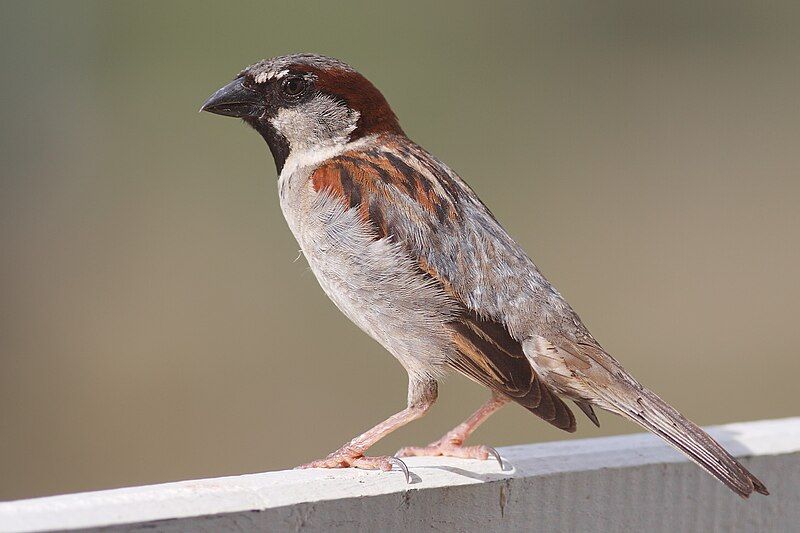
column 414, row 451
column 384, row 463
column 321, row 463
column 475, row 452
column 451, row 450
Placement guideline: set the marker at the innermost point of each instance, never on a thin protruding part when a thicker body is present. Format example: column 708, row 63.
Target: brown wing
column 490, row 356
column 408, row 199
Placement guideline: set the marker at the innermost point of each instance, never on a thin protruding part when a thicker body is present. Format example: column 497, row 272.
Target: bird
column 406, row 249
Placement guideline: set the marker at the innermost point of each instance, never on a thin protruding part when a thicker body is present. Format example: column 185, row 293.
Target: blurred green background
column 155, row 324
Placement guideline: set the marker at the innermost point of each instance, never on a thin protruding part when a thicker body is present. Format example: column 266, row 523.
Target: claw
column 494, row 453
column 402, row 466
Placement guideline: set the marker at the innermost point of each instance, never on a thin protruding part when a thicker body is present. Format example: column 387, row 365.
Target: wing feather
column 411, row 198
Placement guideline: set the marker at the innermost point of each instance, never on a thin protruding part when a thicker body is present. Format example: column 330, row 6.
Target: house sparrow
column 409, row 253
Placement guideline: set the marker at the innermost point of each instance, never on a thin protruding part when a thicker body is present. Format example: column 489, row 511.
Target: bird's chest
column 372, row 281
column 336, row 244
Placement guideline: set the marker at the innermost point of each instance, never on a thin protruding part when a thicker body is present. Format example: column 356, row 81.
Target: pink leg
column 421, row 396
column 451, row 444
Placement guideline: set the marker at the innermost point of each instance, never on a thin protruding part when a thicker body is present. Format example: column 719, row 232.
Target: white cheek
column 321, row 122
column 296, row 126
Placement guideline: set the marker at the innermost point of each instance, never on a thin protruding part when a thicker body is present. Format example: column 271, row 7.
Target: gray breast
column 372, row 281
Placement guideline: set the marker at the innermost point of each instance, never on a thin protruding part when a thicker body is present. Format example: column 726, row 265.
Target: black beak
column 235, row 100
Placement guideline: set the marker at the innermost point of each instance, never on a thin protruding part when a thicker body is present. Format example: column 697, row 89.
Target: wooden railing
column 627, row 483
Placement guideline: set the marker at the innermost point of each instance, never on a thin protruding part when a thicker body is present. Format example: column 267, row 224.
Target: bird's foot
column 448, row 447
column 345, row 458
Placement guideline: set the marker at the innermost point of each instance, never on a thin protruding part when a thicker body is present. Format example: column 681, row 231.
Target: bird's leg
column 451, row 444
column 421, row 396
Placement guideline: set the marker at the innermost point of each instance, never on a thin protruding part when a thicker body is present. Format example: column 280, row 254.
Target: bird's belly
column 372, row 281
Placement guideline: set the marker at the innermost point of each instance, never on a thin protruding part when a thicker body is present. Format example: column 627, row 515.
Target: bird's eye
column 293, row 86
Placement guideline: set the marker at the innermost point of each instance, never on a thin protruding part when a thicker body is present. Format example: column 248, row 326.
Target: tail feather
column 654, row 414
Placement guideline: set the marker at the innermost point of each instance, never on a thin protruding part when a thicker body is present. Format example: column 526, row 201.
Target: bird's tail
column 654, row 414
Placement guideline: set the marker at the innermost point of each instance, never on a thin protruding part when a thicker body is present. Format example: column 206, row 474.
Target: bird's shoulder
column 396, row 183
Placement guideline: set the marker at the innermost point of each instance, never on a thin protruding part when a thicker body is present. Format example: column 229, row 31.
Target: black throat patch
column 277, row 143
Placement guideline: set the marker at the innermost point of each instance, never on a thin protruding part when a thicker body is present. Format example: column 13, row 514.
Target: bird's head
column 304, row 102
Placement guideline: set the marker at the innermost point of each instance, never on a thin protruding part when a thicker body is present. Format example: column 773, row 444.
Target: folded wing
column 409, row 197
